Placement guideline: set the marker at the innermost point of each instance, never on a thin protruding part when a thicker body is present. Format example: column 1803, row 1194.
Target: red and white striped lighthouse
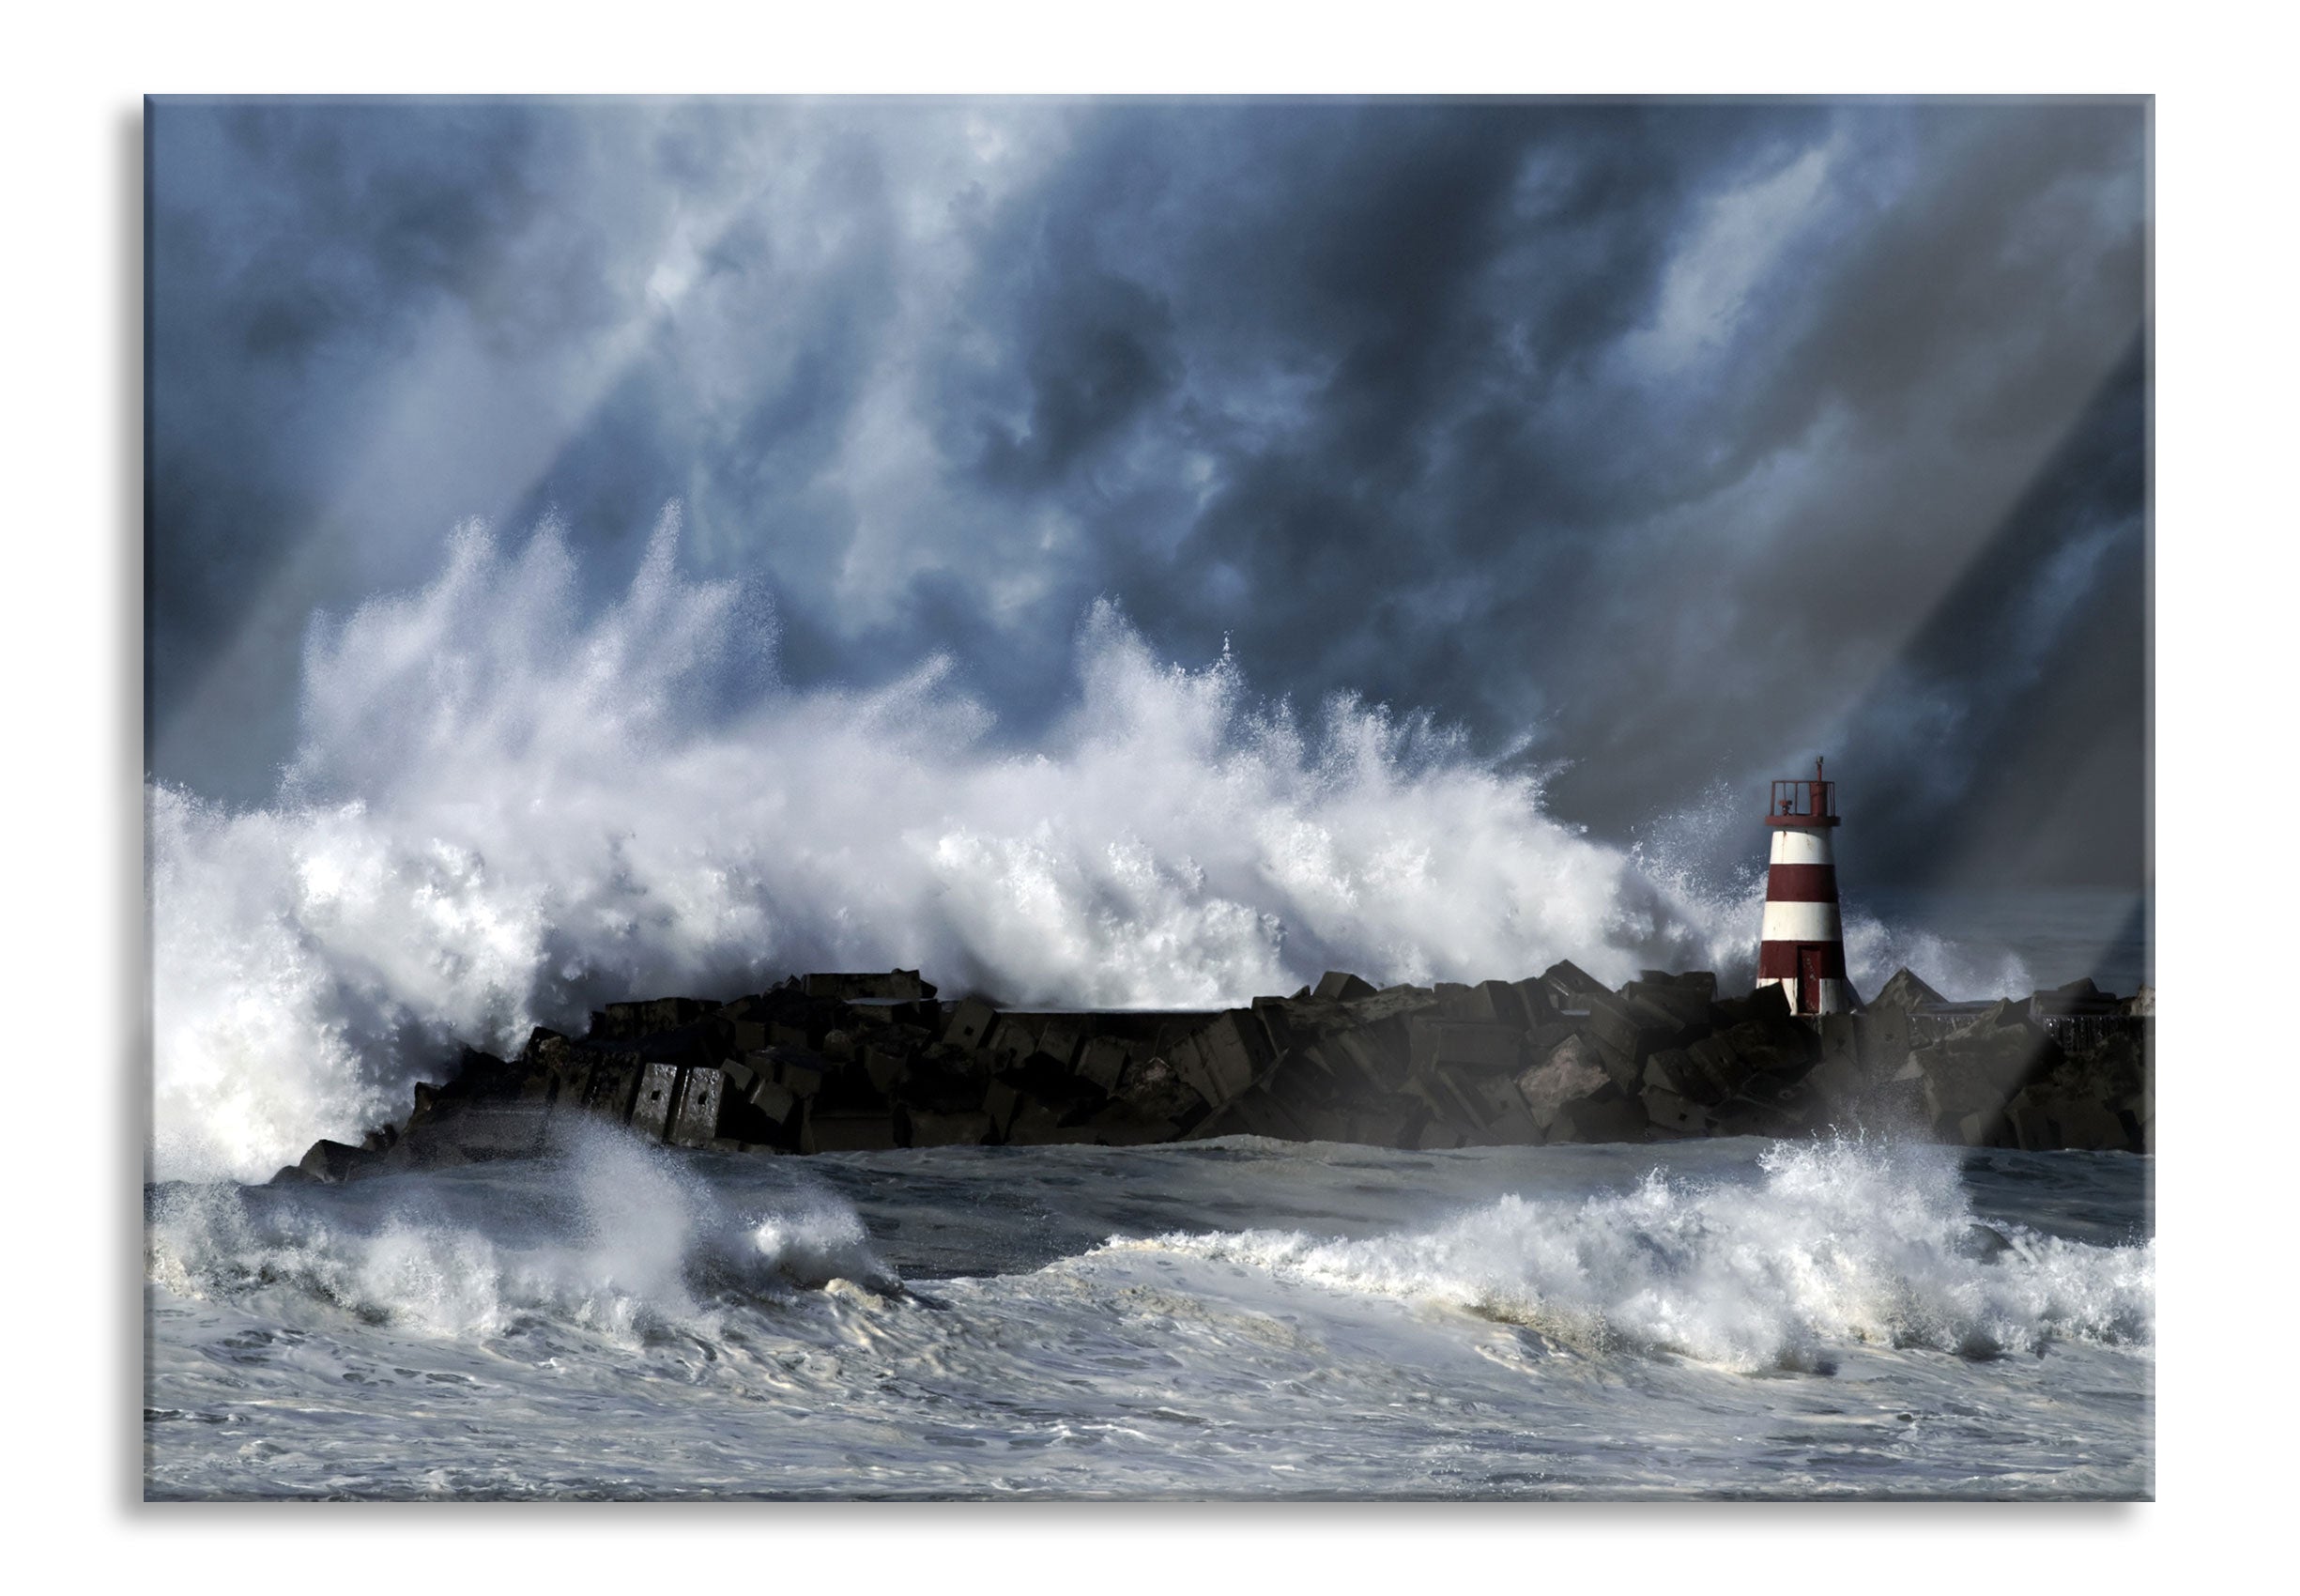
column 1802, row 945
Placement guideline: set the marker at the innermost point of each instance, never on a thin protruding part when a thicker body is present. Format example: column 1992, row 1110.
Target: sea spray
column 503, row 811
column 609, row 1236
column 1839, row 1243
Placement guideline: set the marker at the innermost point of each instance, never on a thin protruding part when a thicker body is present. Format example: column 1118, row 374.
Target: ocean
column 504, row 812
column 1231, row 1319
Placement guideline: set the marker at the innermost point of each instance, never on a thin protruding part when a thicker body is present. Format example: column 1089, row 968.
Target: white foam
column 643, row 1244
column 502, row 813
column 1841, row 1243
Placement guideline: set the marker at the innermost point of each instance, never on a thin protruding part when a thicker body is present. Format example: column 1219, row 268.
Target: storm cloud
column 1659, row 445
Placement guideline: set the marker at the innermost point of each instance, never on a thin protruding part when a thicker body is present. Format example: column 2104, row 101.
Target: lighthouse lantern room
column 1802, row 946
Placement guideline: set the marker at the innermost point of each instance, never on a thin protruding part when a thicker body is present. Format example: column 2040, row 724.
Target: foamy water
column 504, row 810
column 1237, row 1318
column 1842, row 1243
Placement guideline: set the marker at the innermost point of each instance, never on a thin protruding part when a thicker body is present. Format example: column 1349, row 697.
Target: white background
column 2225, row 193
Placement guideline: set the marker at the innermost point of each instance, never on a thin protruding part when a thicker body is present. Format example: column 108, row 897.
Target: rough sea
column 1232, row 1319
column 504, row 812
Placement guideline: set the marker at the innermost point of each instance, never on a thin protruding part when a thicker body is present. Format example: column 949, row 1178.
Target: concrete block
column 1278, row 1023
column 1002, row 1102
column 1777, row 1048
column 1571, row 1072
column 1015, row 1036
column 1599, row 1119
column 1464, row 1110
column 1436, row 1136
column 1671, row 1070
column 969, row 1023
column 872, row 1016
column 1513, row 1128
column 1626, row 1033
column 1667, row 1006
column 1903, row 993
column 1341, row 984
column 1881, row 1036
column 1783, row 1103
column 1301, row 1082
column 1062, row 1036
column 2089, row 1124
column 1325, row 1123
column 1463, row 1044
column 1701, row 981
column 614, row 1088
column 1491, row 1094
column 1678, row 1116
column 1224, row 1058
column 1976, row 1129
column 572, row 1073
column 1979, row 1068
column 658, row 1099
column 333, row 1162
column 1393, row 1121
column 802, row 1074
column 489, row 1130
column 773, row 1099
column 697, row 1121
column 1391, row 1003
column 1101, row 1060
column 1623, row 1064
column 1836, row 1036
column 1535, row 1000
column 2032, row 1127
column 1153, row 1089
column 1380, row 1054
column 628, row 1021
column 1188, row 1060
column 1717, row 1070
column 1837, row 1083
column 885, row 1064
column 1568, row 983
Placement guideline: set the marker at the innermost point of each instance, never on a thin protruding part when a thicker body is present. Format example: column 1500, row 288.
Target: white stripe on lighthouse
column 1801, row 921
column 1793, row 845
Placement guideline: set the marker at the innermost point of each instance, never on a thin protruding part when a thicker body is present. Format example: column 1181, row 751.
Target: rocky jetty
column 845, row 1061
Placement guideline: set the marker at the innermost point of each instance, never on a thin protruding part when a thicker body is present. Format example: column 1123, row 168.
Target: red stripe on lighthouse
column 1801, row 883
column 1777, row 961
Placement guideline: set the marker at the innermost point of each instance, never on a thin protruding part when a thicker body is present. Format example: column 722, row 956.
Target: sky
column 1658, row 445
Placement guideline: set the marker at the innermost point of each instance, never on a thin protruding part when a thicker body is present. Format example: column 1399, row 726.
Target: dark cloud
column 1664, row 442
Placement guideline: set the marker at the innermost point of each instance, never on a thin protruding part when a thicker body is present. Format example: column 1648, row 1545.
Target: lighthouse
column 1802, row 948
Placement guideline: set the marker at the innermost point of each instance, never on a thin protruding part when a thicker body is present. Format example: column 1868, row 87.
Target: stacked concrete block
column 851, row 1062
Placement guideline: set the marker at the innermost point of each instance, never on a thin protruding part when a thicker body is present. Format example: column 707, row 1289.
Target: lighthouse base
column 1816, row 994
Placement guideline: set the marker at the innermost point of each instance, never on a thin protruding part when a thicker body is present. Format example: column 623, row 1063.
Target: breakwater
column 861, row 1062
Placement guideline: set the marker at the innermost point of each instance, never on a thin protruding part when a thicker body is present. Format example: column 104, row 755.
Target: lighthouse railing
column 1804, row 796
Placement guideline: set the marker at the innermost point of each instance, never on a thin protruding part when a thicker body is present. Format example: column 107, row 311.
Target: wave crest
column 502, row 813
column 1840, row 1243
column 621, row 1240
